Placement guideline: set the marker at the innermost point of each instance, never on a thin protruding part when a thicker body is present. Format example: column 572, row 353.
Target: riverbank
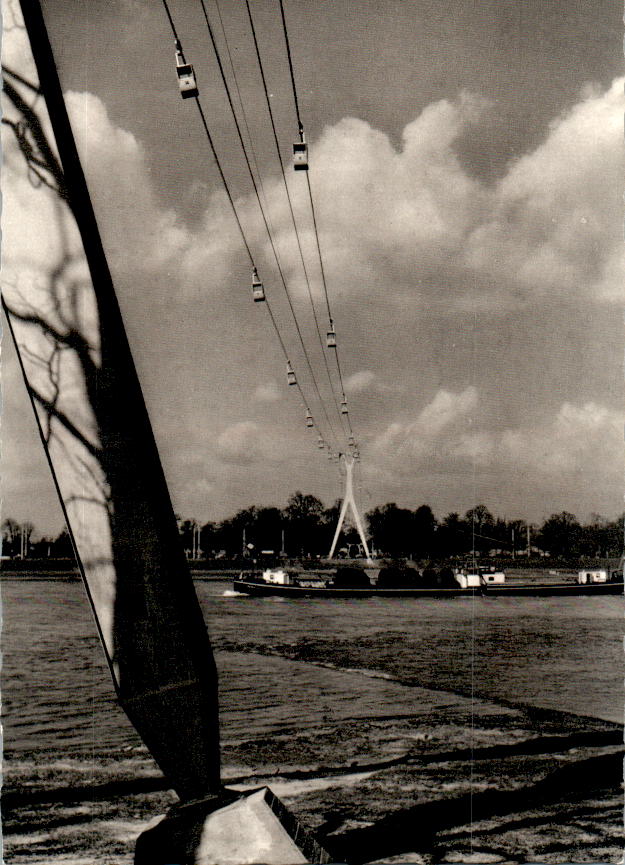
column 202, row 568
column 426, row 731
column 455, row 782
column 513, row 573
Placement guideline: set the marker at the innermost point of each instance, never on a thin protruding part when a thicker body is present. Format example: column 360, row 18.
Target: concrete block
column 252, row 828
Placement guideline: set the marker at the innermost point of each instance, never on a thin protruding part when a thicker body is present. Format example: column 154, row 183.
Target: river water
column 299, row 663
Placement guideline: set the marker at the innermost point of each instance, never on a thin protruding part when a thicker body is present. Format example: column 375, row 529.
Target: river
column 296, row 665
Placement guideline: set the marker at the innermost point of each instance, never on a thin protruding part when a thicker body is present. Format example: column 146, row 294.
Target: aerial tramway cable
column 314, row 217
column 309, row 418
column 288, row 51
column 265, row 219
column 305, row 401
column 288, row 195
column 240, row 98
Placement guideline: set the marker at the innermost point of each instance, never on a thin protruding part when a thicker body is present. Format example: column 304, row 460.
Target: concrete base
column 233, row 829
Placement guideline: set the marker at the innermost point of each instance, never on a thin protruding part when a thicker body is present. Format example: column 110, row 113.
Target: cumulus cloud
column 444, row 410
column 247, row 442
column 359, row 381
column 554, row 218
column 577, row 441
column 395, row 220
column 267, row 392
column 584, row 439
column 402, row 227
column 367, row 380
column 412, row 220
column 447, row 413
column 140, row 235
column 408, row 201
column 238, row 444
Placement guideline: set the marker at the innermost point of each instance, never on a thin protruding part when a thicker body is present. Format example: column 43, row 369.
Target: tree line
column 305, row 528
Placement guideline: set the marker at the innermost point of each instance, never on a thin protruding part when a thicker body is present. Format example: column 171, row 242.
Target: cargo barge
column 405, row 583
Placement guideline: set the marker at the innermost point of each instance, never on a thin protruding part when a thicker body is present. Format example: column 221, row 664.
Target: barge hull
column 268, row 589
column 556, row 589
column 528, row 590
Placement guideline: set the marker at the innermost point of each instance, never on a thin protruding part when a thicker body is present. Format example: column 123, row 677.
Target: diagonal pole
column 97, row 436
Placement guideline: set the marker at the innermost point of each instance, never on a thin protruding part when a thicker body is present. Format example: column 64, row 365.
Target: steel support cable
column 262, row 210
column 223, row 179
column 325, row 289
column 344, row 398
column 300, row 125
column 312, row 205
column 243, row 237
column 230, row 102
column 171, row 20
column 240, row 98
column 271, row 315
column 288, row 195
column 288, row 51
column 260, row 180
column 316, row 230
column 286, row 356
column 212, row 145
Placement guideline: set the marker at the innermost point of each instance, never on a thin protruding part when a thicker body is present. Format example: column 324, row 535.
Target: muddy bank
column 463, row 783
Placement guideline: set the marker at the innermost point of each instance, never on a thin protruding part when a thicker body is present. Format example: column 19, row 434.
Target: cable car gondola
column 321, row 444
column 331, row 337
column 300, row 152
column 258, row 292
column 186, row 75
column 344, row 409
column 290, row 375
column 309, row 420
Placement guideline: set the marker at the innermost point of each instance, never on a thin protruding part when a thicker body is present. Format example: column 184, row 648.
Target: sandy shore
column 463, row 782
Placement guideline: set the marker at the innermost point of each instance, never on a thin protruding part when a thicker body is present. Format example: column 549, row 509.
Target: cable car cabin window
column 258, row 292
column 300, row 156
column 186, row 81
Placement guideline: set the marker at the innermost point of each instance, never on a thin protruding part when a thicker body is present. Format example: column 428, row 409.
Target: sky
column 466, row 169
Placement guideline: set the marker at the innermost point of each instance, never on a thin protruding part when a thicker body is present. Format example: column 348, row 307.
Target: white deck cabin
column 277, row 577
column 596, row 575
column 473, row 578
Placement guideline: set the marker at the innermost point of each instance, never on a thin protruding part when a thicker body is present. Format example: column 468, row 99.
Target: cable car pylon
column 349, row 501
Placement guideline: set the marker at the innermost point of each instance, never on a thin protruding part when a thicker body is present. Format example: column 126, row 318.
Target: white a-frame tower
column 348, row 501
